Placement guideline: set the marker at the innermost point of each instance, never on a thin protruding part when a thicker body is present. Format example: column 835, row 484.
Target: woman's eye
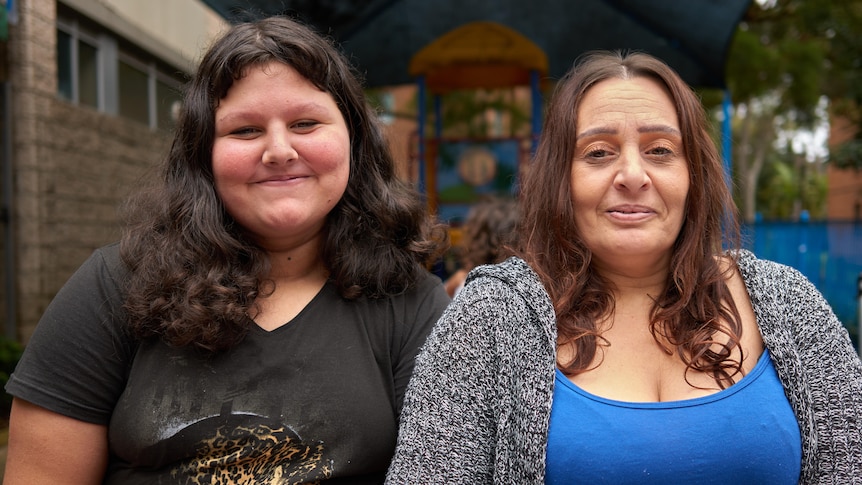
column 661, row 151
column 597, row 153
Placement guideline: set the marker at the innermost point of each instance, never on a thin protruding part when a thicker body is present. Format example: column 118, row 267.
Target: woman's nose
column 631, row 174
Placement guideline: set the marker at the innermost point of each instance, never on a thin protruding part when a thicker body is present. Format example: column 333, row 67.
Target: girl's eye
column 305, row 124
column 245, row 131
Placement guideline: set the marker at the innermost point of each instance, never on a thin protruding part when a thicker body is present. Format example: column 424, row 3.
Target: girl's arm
column 52, row 449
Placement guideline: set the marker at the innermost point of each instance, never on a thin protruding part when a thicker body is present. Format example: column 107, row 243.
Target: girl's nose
column 279, row 150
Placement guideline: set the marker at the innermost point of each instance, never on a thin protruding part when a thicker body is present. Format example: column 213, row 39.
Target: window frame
column 110, row 51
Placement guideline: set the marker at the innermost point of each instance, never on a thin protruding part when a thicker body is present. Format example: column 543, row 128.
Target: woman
column 258, row 321
column 623, row 345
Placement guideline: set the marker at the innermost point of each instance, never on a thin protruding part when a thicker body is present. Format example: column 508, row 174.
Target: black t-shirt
column 315, row 399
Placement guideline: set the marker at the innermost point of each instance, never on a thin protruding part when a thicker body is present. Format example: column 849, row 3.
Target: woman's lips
column 630, row 213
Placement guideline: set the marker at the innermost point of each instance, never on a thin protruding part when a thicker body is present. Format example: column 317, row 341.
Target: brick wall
column 844, row 200
column 72, row 168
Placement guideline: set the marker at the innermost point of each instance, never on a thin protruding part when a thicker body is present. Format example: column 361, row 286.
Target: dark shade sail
column 381, row 36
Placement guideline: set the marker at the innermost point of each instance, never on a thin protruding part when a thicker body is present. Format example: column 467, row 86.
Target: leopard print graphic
column 254, row 455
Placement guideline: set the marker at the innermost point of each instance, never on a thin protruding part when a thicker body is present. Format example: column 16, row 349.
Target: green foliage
column 10, row 353
column 804, row 87
column 467, row 113
column 840, row 23
column 779, row 189
column 471, row 114
column 785, row 57
column 800, row 49
column 848, row 155
column 789, row 184
column 752, row 69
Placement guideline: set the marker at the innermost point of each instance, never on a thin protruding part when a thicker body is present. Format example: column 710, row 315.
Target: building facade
column 90, row 90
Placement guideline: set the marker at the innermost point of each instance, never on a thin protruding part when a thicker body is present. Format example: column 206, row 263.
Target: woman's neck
column 637, row 278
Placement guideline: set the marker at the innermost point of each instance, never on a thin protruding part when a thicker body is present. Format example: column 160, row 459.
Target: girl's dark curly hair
column 696, row 299
column 194, row 274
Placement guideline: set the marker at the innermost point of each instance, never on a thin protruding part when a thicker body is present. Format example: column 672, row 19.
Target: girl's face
column 281, row 155
column 630, row 176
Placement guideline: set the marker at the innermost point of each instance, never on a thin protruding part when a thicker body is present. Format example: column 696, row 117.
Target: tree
column 789, row 184
column 849, row 154
column 469, row 113
column 484, row 113
column 785, row 56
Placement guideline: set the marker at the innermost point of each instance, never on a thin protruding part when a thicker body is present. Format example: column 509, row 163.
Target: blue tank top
column 746, row 433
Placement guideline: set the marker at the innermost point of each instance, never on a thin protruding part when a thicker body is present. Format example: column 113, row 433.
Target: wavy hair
column 194, row 274
column 688, row 315
column 489, row 230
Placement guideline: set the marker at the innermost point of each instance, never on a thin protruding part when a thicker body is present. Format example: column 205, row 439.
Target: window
column 77, row 67
column 168, row 102
column 64, row 66
column 88, row 77
column 97, row 69
column 134, row 93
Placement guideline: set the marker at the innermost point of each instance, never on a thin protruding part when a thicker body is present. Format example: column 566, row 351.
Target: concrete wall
column 186, row 26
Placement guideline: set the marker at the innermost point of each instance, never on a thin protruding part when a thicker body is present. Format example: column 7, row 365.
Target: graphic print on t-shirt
column 246, row 449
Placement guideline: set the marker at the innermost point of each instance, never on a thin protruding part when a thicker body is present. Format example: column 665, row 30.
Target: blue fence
column 828, row 253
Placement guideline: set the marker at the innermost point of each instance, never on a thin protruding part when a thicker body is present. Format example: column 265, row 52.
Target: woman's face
column 630, row 176
column 281, row 155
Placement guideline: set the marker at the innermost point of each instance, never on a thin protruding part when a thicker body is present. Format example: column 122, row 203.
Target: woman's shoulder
column 764, row 273
column 512, row 282
column 777, row 290
column 513, row 273
column 511, row 270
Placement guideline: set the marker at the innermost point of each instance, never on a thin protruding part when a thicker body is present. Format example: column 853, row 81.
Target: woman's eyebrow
column 602, row 130
column 597, row 131
column 659, row 129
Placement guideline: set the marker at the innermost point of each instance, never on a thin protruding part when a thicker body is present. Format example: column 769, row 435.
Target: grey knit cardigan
column 478, row 405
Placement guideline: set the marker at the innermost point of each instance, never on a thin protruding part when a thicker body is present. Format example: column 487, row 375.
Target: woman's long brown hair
column 696, row 307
